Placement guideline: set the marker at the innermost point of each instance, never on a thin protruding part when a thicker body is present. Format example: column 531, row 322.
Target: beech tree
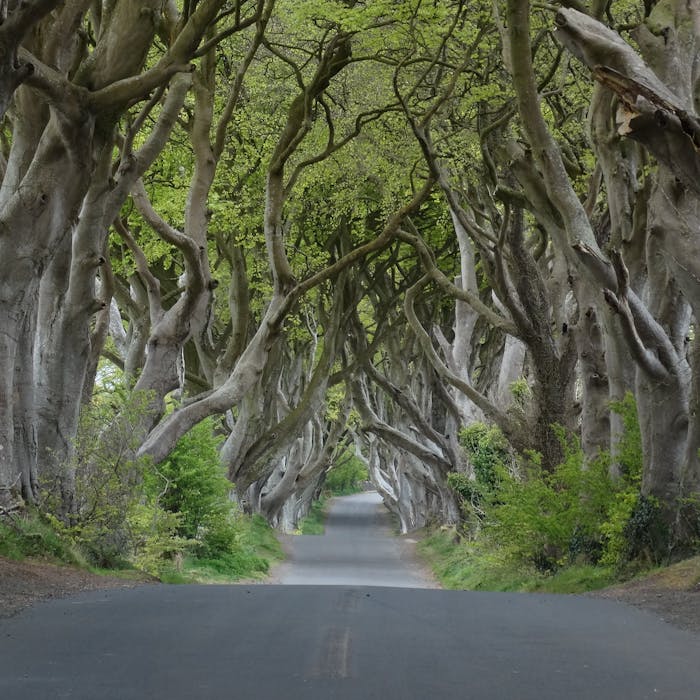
column 89, row 64
column 654, row 310
column 335, row 221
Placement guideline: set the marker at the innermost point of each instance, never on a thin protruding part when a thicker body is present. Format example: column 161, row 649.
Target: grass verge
column 314, row 522
column 257, row 548
column 464, row 566
column 29, row 536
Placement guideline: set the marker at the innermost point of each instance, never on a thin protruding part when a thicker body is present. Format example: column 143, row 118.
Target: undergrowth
column 465, row 566
column 314, row 522
column 581, row 525
column 28, row 534
column 174, row 521
column 257, row 549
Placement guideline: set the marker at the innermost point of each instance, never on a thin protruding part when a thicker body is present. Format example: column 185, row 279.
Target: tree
column 663, row 374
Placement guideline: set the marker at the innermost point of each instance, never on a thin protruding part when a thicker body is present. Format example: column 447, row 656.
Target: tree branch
column 489, row 409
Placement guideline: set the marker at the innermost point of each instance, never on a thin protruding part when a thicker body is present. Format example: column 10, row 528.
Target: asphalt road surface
column 357, row 549
column 313, row 642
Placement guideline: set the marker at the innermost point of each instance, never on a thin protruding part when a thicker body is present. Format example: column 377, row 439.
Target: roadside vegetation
column 347, row 476
column 175, row 522
column 314, row 522
column 580, row 526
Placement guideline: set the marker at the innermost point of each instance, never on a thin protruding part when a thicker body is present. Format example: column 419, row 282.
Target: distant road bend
column 345, row 641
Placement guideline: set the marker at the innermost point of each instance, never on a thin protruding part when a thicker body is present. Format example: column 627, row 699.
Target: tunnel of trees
column 338, row 229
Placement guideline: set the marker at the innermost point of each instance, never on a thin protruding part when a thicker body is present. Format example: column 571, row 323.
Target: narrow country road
column 357, row 549
column 343, row 642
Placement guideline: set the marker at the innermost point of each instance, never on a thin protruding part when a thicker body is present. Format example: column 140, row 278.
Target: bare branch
column 500, row 418
column 196, row 281
column 437, row 276
column 149, row 280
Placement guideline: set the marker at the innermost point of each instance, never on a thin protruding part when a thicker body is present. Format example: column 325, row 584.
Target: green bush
column 489, row 453
column 154, row 539
column 109, row 481
column 29, row 534
column 128, row 511
column 552, row 518
column 174, row 520
column 629, row 448
column 490, row 458
column 460, row 564
column 193, row 484
column 256, row 546
column 575, row 514
column 346, row 475
column 624, row 538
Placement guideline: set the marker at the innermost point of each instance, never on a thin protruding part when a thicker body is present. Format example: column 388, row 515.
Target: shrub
column 551, row 518
column 193, row 484
column 491, row 461
column 629, row 448
column 489, row 453
column 116, row 518
column 576, row 513
column 153, row 537
column 108, row 478
column 30, row 534
column 346, row 475
column 624, row 539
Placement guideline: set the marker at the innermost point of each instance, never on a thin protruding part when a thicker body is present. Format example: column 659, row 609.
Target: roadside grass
column 29, row 536
column 257, row 549
column 685, row 575
column 314, row 522
column 459, row 565
column 681, row 576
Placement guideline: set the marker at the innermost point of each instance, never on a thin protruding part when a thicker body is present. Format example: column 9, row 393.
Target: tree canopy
column 339, row 226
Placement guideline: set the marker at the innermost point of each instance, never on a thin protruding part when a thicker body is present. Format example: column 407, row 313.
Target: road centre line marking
column 334, row 655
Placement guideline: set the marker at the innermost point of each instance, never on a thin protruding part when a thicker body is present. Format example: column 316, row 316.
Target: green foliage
column 29, row 534
column 551, row 518
column 576, row 514
column 490, row 458
column 153, row 537
column 256, row 546
column 346, row 475
column 625, row 540
column 313, row 523
column 521, row 391
column 463, row 565
column 488, row 451
column 108, row 480
column 130, row 512
column 193, row 488
column 467, row 489
column 629, row 446
column 193, row 484
column 175, row 521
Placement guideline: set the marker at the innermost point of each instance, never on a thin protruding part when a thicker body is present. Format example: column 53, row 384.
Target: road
column 359, row 642
column 357, row 549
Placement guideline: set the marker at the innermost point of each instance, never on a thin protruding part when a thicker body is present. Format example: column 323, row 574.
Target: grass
column 257, row 548
column 463, row 566
column 682, row 576
column 314, row 522
column 31, row 536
